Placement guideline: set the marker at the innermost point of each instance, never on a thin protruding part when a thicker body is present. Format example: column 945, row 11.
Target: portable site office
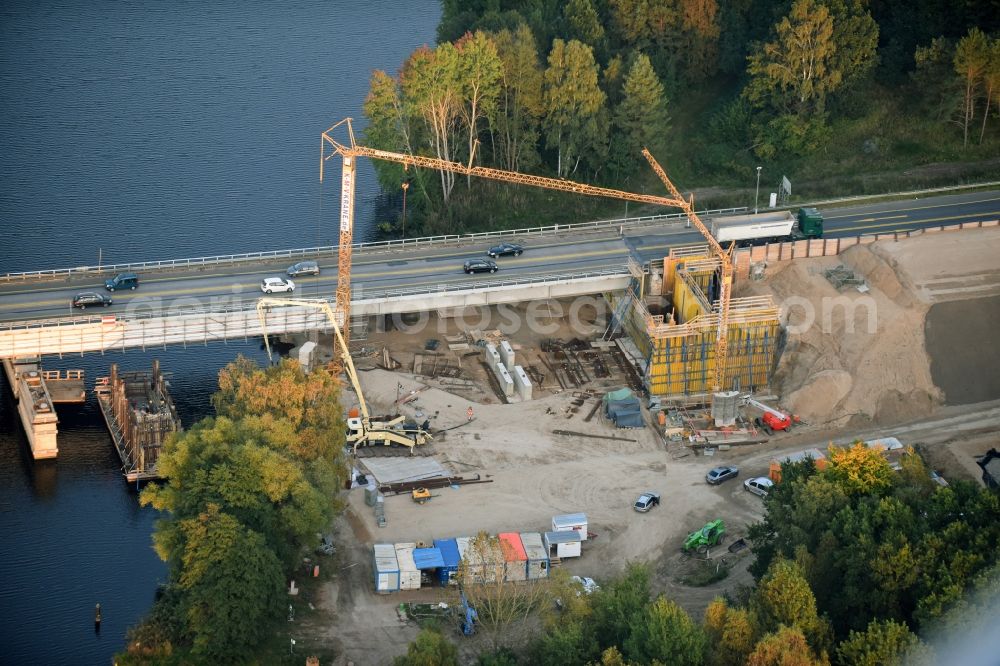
column 451, row 557
column 409, row 575
column 562, row 544
column 386, row 568
column 538, row 558
column 516, row 560
column 430, row 560
column 576, row 522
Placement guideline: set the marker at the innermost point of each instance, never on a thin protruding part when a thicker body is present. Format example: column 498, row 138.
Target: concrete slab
column 409, row 468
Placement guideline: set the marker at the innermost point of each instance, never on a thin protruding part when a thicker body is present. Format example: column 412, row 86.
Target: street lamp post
column 756, row 192
column 406, row 186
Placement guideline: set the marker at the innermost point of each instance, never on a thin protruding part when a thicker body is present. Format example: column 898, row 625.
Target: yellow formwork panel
column 685, row 364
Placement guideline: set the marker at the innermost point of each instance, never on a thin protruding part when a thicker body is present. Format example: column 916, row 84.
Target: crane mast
column 726, row 286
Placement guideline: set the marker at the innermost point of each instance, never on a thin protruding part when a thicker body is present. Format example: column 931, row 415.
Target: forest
column 840, row 96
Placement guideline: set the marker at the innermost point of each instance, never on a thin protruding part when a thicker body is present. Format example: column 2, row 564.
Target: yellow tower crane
column 350, row 151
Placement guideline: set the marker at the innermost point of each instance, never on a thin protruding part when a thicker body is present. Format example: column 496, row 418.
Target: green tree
column 935, row 86
column 232, row 584
column 794, row 73
column 432, row 92
column 730, row 632
column 972, row 60
column 429, row 648
column 583, row 22
column 520, row 105
column 620, row 606
column 574, row 104
column 666, row 633
column 641, row 117
column 785, row 647
column 700, row 36
column 783, row 598
column 479, row 69
column 860, row 470
column 883, row 643
column 855, row 34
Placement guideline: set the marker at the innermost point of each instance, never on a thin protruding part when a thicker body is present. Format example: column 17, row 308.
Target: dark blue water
column 146, row 130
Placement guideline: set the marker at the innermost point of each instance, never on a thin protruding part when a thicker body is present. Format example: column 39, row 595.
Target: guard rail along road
column 197, row 263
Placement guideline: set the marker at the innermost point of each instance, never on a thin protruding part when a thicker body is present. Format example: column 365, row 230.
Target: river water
column 134, row 130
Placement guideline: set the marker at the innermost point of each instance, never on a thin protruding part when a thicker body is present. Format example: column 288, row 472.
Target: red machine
column 771, row 419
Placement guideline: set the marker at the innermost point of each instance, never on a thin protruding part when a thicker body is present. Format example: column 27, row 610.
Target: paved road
column 375, row 272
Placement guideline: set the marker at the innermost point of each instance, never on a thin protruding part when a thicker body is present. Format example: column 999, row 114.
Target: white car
column 276, row 284
column 759, row 486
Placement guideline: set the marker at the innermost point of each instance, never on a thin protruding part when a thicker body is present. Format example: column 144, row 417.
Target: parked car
column 275, row 284
column 303, row 268
column 90, row 298
column 122, row 281
column 717, row 475
column 504, row 249
column 646, row 501
column 760, row 485
column 480, row 266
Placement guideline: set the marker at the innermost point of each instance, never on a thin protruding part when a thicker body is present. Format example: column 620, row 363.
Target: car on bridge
column 303, row 268
column 122, row 281
column 90, row 298
column 276, row 284
column 505, row 249
column 480, row 266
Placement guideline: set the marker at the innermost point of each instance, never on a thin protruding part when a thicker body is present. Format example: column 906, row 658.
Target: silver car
column 303, row 268
column 759, row 486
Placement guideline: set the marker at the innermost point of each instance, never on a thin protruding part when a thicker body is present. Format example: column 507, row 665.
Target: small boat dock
column 140, row 415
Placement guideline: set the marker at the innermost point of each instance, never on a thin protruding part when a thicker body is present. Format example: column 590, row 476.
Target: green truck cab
column 810, row 223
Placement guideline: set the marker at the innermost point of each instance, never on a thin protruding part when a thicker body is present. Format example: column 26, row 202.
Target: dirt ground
column 845, row 384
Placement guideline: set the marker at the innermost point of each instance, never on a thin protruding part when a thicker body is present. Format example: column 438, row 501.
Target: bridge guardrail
column 331, row 250
column 361, row 296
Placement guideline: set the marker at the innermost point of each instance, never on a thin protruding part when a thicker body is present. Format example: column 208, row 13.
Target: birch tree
column 479, row 79
column 431, row 86
column 991, row 83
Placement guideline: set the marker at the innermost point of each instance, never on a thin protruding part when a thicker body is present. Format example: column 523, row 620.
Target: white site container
column 562, row 544
column 576, row 522
column 409, row 575
column 386, row 568
column 507, row 355
column 521, row 382
column 538, row 555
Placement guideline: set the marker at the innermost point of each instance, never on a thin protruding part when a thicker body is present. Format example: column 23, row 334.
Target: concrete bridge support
column 34, row 404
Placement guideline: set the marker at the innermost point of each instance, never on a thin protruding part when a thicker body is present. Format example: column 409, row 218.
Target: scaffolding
column 140, row 415
column 680, row 347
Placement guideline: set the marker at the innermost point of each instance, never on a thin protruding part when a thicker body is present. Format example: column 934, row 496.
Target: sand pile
column 850, row 357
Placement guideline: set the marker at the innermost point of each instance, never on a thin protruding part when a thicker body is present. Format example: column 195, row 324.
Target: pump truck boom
column 771, row 419
column 362, row 429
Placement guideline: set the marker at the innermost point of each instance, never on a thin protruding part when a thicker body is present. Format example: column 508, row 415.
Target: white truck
column 770, row 227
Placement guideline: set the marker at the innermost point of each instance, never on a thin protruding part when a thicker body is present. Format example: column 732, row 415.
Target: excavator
column 362, row 428
column 771, row 419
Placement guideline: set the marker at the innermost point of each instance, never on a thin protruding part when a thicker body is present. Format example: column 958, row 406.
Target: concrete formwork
column 680, row 348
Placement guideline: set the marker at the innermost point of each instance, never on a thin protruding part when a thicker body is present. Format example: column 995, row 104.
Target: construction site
column 877, row 365
column 539, row 419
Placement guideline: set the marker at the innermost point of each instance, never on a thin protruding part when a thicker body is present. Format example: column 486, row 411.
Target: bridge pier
column 36, row 392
